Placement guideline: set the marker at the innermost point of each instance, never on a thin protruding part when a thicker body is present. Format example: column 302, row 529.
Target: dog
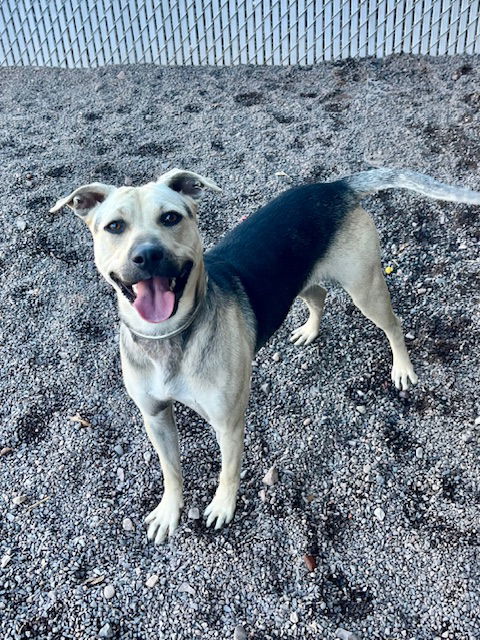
column 190, row 324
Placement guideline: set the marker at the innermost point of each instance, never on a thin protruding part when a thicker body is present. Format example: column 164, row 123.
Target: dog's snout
column 147, row 256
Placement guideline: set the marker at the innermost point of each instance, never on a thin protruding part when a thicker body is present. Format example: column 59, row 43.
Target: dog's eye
column 117, row 226
column 170, row 218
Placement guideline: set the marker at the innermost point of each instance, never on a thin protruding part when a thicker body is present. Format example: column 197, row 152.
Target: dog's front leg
column 161, row 430
column 230, row 439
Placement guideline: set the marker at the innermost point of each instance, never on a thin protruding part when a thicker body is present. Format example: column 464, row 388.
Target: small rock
column 152, row 581
column 262, row 494
column 121, row 474
column 239, row 633
column 6, row 451
column 108, row 591
column 310, row 562
column 148, row 117
column 361, row 409
column 5, row 560
column 476, row 423
column 409, row 336
column 307, row 421
column 106, row 631
column 127, row 181
column 186, row 588
column 379, row 513
column 404, row 394
column 147, row 456
column 21, row 224
column 194, row 513
column 128, row 525
column 419, row 452
column 118, row 449
column 294, row 617
column 343, row 634
column 121, row 76
column 265, row 387
column 19, row 499
column 271, row 477
column 467, row 436
column 276, row 357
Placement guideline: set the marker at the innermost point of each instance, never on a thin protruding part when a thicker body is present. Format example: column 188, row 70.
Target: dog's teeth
column 172, row 283
column 134, row 288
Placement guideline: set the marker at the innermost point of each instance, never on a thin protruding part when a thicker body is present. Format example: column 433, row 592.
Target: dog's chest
column 185, row 388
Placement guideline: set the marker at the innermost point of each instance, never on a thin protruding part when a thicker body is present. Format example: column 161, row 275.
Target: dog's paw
column 221, row 508
column 403, row 376
column 163, row 520
column 305, row 334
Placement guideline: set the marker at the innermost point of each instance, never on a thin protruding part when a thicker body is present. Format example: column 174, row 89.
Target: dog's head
column 146, row 240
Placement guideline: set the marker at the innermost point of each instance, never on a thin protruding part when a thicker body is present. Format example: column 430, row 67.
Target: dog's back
column 273, row 251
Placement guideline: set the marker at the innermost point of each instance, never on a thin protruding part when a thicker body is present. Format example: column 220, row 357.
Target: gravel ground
column 379, row 489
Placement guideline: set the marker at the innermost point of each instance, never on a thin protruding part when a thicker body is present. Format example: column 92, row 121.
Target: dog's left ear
column 188, row 183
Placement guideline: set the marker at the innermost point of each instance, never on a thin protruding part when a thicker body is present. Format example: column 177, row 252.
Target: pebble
column 410, row 336
column 276, row 357
column 467, row 436
column 186, row 588
column 121, row 474
column 265, row 387
column 477, row 421
column 21, row 224
column 5, row 560
column 361, row 409
column 118, row 449
column 307, row 421
column 121, row 76
column 151, row 581
column 239, row 633
column 310, row 562
column 127, row 181
column 108, row 591
column 419, row 452
column 379, row 513
column 271, row 477
column 6, row 451
column 128, row 525
column 194, row 513
column 106, row 631
column 262, row 494
column 19, row 499
column 343, row 634
column 147, row 456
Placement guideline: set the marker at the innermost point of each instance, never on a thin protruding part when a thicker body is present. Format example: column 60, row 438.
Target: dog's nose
column 147, row 256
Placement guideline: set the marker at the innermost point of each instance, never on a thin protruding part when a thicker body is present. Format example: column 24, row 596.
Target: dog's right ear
column 85, row 198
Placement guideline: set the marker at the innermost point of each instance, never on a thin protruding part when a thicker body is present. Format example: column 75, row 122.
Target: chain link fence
column 88, row 33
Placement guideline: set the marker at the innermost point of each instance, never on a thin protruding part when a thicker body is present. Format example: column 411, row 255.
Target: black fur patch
column 272, row 253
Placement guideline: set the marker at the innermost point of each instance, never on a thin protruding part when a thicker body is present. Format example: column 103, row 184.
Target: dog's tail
column 367, row 182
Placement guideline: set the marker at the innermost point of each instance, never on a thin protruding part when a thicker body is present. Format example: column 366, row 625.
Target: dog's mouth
column 156, row 298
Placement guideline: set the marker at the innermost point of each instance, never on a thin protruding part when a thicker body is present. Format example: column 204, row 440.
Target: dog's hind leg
column 314, row 296
column 371, row 296
column 354, row 262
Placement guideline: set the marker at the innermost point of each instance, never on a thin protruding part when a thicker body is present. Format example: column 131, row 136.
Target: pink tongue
column 154, row 301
